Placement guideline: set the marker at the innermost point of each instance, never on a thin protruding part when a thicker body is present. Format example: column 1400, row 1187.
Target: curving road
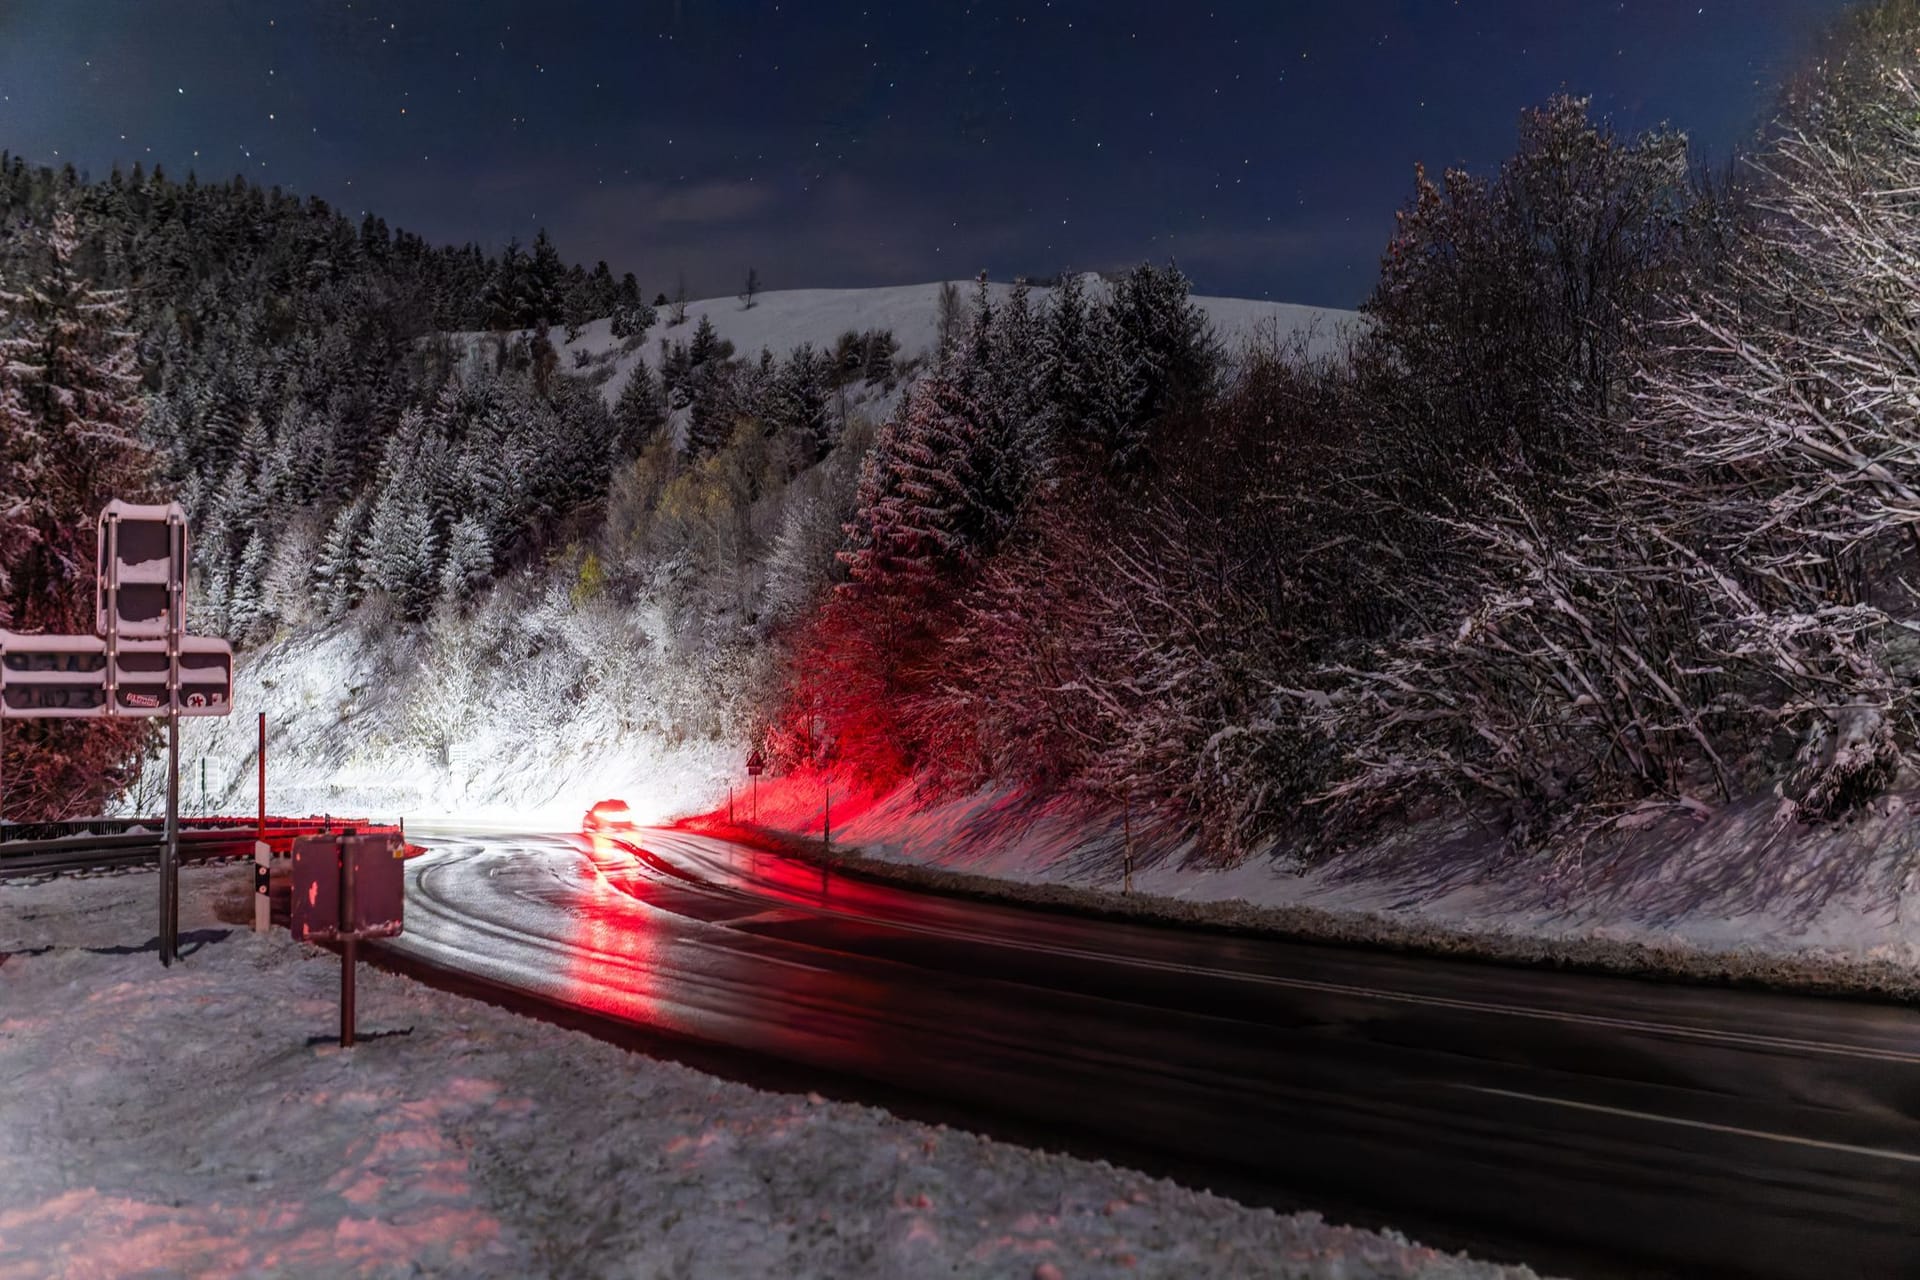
column 1593, row 1125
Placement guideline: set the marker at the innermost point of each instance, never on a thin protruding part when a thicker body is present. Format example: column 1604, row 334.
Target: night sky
column 1263, row 145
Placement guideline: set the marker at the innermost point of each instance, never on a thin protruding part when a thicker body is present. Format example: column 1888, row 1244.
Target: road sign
column 141, row 570
column 205, row 685
column 320, row 876
column 52, row 677
column 142, row 679
column 756, row 764
column 69, row 677
column 346, row 889
column 141, row 664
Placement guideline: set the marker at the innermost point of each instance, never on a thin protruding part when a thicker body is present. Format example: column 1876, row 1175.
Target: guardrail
column 121, row 842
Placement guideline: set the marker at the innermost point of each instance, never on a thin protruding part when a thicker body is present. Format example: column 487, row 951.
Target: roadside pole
column 170, row 850
column 260, row 754
column 350, row 942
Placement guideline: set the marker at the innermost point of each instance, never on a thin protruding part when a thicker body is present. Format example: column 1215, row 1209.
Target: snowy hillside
column 780, row 321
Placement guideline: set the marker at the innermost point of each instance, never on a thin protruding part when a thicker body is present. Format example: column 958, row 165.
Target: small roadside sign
column 756, row 764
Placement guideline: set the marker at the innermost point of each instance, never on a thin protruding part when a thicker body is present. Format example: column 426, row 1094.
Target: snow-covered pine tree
column 1168, row 351
column 632, row 316
column 469, row 563
column 800, row 393
column 638, row 414
column 337, row 572
column 249, row 620
column 705, row 345
column 1065, row 356
column 403, row 557
column 69, row 416
column 929, row 498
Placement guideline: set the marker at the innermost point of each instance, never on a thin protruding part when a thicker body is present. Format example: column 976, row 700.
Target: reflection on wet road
column 1598, row 1125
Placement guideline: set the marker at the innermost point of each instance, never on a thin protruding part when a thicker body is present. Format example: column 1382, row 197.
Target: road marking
column 1736, row 1039
column 1764, row 1135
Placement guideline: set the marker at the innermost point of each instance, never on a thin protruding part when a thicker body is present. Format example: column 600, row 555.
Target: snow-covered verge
column 1726, row 898
column 186, row 1122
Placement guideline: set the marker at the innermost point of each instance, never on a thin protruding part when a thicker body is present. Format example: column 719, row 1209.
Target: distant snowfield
column 201, row 1121
column 781, row 320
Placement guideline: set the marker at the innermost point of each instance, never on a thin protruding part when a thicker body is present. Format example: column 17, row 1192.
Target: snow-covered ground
column 1836, row 906
column 782, row 320
column 199, row 1121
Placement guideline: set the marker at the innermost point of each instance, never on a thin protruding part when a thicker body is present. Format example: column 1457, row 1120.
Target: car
column 609, row 815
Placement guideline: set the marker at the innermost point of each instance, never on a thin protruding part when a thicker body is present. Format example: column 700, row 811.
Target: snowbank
column 185, row 1122
column 1728, row 898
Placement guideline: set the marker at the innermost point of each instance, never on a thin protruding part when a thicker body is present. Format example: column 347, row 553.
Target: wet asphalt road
column 1587, row 1125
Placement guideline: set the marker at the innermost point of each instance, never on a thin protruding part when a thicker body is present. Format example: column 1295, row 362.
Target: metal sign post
column 141, row 663
column 347, row 888
column 756, row 764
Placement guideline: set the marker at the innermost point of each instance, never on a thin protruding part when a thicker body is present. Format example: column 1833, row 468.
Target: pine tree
column 931, row 504
column 1065, row 373
column 69, row 415
column 402, row 551
column 639, row 413
column 799, row 395
column 469, row 563
column 337, row 572
column 1168, row 351
column 632, row 317
column 705, row 345
column 249, row 619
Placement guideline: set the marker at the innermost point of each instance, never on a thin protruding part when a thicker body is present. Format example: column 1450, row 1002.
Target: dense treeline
column 1609, row 512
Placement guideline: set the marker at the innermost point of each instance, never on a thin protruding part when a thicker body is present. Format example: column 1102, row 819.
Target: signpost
column 756, row 765
column 347, row 888
column 141, row 664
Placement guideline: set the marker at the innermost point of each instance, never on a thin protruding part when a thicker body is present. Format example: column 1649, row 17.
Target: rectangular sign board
column 141, row 559
column 52, row 677
column 379, row 884
column 206, row 677
column 142, row 679
column 67, row 677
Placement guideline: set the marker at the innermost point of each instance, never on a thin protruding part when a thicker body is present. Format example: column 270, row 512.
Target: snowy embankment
column 1730, row 897
column 782, row 320
column 363, row 724
column 198, row 1121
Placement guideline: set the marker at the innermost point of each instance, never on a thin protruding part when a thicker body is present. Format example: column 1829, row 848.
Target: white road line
column 1764, row 1135
column 1736, row 1039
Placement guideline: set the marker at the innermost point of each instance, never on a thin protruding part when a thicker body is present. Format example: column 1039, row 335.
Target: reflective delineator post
column 262, row 886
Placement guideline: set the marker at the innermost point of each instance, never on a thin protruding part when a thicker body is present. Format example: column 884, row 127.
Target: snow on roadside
column 185, row 1122
column 1731, row 897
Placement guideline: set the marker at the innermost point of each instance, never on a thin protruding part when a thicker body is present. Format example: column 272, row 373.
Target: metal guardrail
column 100, row 843
column 86, row 852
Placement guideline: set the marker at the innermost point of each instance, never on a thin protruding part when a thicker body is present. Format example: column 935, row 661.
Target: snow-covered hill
column 782, row 320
